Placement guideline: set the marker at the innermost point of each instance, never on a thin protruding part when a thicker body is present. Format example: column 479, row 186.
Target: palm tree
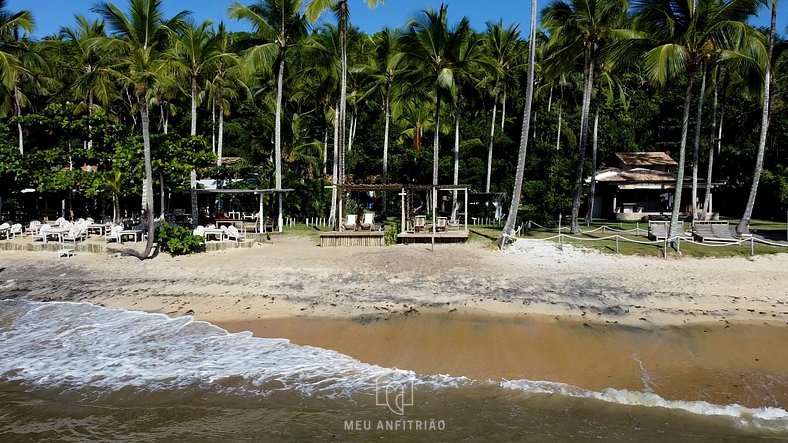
column 511, row 218
column 12, row 54
column 193, row 51
column 744, row 224
column 280, row 24
column 683, row 36
column 94, row 81
column 580, row 32
column 432, row 49
column 225, row 78
column 313, row 12
column 142, row 37
column 502, row 46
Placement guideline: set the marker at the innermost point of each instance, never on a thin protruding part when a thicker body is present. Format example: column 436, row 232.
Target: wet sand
column 720, row 363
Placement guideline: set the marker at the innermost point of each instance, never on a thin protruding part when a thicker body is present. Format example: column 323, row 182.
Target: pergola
column 406, row 192
column 259, row 192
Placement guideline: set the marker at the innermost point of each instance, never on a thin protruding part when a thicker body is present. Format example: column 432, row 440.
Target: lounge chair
column 440, row 224
column 369, row 221
column 658, row 230
column 420, row 223
column 352, row 220
column 5, row 231
column 199, row 231
column 714, row 232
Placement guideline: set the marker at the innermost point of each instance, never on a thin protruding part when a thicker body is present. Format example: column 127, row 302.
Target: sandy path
column 294, row 277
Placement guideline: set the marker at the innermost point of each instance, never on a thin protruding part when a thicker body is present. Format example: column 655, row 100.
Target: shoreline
column 687, row 329
column 741, row 363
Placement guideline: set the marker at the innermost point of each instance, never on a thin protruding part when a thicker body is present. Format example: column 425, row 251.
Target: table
column 58, row 232
column 215, row 232
column 100, row 227
column 128, row 232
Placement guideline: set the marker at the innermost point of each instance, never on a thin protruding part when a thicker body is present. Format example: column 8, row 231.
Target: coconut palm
column 340, row 7
column 224, row 81
column 511, row 218
column 194, row 49
column 281, row 26
column 142, row 37
column 431, row 50
column 13, row 51
column 502, row 46
column 744, row 224
column 683, row 36
column 580, row 34
column 94, row 82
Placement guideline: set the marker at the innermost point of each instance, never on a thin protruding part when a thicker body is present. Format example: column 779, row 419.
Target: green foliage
column 178, row 240
column 390, row 235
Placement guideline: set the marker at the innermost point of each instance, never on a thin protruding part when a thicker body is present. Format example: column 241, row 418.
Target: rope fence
column 672, row 241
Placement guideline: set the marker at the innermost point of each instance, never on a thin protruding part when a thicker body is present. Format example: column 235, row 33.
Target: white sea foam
column 77, row 345
column 771, row 418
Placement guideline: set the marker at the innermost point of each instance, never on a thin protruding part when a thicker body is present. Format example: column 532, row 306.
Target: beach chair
column 351, row 223
column 5, row 231
column 113, row 234
column 714, row 232
column 40, row 233
column 369, row 221
column 420, row 223
column 199, row 231
column 440, row 224
column 16, row 229
column 74, row 234
column 657, row 230
column 231, row 232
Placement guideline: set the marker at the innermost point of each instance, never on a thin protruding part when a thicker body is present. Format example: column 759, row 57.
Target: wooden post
column 752, row 246
column 560, row 238
column 403, row 227
column 616, row 243
column 434, row 206
column 466, row 208
column 665, row 246
column 260, row 215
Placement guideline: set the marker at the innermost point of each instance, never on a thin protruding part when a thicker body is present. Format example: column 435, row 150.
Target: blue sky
column 50, row 15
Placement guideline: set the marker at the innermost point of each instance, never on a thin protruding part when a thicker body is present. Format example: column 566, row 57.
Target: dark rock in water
column 615, row 310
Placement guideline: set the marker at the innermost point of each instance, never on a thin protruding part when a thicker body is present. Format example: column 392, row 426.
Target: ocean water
column 76, row 372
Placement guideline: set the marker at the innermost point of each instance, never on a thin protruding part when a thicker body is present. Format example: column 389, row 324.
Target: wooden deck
column 352, row 238
column 440, row 237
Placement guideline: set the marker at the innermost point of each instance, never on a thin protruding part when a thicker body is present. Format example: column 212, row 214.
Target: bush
column 178, row 240
column 390, row 235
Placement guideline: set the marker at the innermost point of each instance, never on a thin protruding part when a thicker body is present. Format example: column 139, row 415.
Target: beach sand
column 694, row 329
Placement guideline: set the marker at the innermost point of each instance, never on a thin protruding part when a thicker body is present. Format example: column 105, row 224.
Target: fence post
column 637, row 228
column 752, row 246
column 678, row 245
column 665, row 247
column 616, row 243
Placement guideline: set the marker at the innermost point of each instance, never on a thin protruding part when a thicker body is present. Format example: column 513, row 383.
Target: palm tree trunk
column 90, row 126
column 558, row 135
column 147, row 182
column 325, row 153
column 194, row 106
column 716, row 139
column 343, row 17
column 456, row 149
column 581, row 154
column 592, row 187
column 675, row 228
column 436, row 141
column 18, row 112
column 511, row 218
column 744, row 224
column 278, row 139
column 503, row 108
column 220, row 140
column 387, row 112
column 332, row 216
column 490, row 147
column 213, row 125
column 161, row 188
column 696, row 148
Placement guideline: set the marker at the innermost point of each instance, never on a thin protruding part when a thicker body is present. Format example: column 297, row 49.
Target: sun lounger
column 351, row 223
column 369, row 221
column 440, row 224
column 714, row 232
